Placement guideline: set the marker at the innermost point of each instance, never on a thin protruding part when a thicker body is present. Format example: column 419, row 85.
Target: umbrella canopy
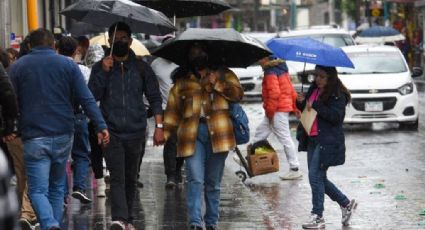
column 137, row 46
column 104, row 13
column 186, row 8
column 379, row 34
column 224, row 46
column 82, row 28
column 308, row 50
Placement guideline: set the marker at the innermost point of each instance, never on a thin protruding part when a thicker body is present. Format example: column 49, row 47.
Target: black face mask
column 120, row 49
column 198, row 63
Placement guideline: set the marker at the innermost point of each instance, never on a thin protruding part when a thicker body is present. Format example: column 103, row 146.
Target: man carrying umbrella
column 119, row 82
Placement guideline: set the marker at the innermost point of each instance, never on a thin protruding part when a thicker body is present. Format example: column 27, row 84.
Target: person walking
column 279, row 100
column 94, row 54
column 8, row 200
column 119, row 82
column 172, row 164
column 67, row 46
column 198, row 112
column 46, row 84
column 13, row 147
column 325, row 144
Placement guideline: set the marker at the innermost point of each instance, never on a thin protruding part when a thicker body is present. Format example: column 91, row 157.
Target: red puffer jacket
column 279, row 94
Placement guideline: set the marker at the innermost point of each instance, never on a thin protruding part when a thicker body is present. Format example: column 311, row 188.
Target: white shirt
column 163, row 69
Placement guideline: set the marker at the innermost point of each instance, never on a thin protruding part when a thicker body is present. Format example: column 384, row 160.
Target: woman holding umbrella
column 325, row 143
column 197, row 109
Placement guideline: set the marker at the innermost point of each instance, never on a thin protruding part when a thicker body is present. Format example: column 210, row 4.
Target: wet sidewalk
column 158, row 208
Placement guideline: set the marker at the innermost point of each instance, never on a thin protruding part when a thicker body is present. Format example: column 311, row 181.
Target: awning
column 402, row 1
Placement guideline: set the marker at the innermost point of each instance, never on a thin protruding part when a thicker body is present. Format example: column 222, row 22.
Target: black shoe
column 171, row 183
column 194, row 227
column 140, row 184
column 179, row 178
column 82, row 196
column 211, row 228
column 54, row 228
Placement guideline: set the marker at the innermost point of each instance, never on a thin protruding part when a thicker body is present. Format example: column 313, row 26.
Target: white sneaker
column 315, row 222
column 347, row 212
column 117, row 225
column 100, row 187
column 292, row 175
column 13, row 181
column 130, row 227
column 237, row 160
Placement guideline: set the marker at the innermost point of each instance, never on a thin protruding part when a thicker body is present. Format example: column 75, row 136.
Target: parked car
column 381, row 86
column 252, row 77
column 332, row 36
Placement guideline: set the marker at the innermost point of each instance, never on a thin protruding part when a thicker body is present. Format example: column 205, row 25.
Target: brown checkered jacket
column 184, row 109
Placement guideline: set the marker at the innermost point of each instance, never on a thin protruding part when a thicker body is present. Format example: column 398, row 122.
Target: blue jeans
column 319, row 183
column 204, row 171
column 80, row 154
column 45, row 162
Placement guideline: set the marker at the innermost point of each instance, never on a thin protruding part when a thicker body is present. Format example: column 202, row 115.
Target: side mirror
column 417, row 72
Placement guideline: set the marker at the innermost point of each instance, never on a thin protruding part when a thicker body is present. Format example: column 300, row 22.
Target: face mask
column 200, row 62
column 77, row 58
column 120, row 49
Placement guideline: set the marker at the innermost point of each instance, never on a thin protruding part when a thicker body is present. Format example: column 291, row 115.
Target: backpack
column 240, row 123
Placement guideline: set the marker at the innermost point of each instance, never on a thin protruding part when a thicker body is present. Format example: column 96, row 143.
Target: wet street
column 384, row 172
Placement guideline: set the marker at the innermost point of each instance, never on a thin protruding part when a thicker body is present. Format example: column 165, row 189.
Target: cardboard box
column 263, row 163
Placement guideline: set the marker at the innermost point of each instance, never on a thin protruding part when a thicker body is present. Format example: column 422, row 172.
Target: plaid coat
column 184, row 109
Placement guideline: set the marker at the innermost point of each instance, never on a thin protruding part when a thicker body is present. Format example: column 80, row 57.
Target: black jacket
column 120, row 92
column 9, row 106
column 330, row 118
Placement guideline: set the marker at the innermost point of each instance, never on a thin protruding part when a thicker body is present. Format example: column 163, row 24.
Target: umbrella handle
column 302, row 82
column 113, row 40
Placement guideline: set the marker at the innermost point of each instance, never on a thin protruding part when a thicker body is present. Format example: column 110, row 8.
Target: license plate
column 374, row 106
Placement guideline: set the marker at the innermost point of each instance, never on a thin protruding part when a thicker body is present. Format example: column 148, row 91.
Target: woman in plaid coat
column 197, row 110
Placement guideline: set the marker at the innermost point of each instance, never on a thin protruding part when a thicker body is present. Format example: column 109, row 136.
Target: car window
column 375, row 62
column 336, row 40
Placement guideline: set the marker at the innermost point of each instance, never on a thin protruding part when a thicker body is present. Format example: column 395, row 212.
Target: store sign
column 15, row 41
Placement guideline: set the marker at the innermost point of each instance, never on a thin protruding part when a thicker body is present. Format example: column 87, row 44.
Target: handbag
column 240, row 123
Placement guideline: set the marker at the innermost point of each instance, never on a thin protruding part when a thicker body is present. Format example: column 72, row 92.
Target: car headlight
column 406, row 89
column 258, row 78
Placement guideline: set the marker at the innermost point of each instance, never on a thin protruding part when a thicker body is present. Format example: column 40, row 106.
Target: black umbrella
column 104, row 13
column 82, row 28
column 186, row 8
column 224, row 46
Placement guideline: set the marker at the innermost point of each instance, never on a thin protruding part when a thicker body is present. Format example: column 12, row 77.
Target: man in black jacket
column 119, row 82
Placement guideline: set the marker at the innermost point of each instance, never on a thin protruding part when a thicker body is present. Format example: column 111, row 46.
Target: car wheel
column 411, row 126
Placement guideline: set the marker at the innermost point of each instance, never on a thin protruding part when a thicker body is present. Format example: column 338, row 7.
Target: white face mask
column 77, row 58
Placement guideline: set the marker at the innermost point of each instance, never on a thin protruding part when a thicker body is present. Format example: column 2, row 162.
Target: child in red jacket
column 279, row 100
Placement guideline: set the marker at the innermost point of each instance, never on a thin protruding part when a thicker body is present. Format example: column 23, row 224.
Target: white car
column 381, row 86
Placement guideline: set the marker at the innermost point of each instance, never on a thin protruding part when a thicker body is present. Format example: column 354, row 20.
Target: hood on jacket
column 276, row 66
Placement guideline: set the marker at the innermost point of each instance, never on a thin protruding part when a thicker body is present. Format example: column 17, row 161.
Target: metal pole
column 5, row 23
column 293, row 12
column 331, row 10
column 272, row 15
column 32, row 15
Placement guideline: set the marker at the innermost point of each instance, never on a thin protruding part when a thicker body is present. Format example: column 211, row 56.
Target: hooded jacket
column 120, row 92
column 278, row 93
